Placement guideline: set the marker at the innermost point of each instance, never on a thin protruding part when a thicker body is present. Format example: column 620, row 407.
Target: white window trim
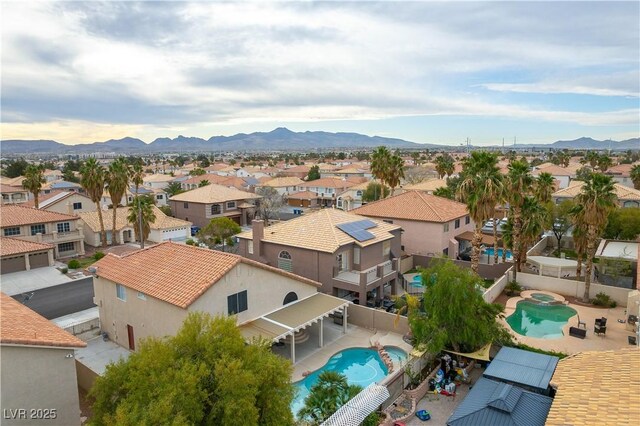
column 124, row 292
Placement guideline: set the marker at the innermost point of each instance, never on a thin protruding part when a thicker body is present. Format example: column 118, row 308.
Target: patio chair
column 632, row 340
column 600, row 331
column 581, row 323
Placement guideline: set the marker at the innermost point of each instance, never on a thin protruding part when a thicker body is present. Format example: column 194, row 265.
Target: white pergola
column 359, row 407
column 553, row 266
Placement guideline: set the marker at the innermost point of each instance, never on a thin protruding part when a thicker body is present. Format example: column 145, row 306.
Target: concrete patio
column 34, row 279
column 99, row 353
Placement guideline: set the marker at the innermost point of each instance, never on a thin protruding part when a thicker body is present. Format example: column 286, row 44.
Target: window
column 457, row 224
column 467, row 220
column 159, row 197
column 387, row 220
column 77, row 206
column 66, row 247
column 386, row 248
column 284, row 261
column 142, row 296
column 358, row 193
column 343, row 261
column 121, row 292
column 63, row 227
column 37, row 229
column 11, row 231
column 185, row 205
column 356, row 255
column 237, row 303
column 215, row 209
column 231, row 205
column 250, row 246
column 446, row 227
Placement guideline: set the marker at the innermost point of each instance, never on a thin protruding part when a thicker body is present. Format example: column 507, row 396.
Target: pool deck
column 615, row 338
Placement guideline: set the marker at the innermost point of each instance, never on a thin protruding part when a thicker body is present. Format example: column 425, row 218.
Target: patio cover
column 556, row 264
column 487, row 240
column 481, row 354
column 354, row 412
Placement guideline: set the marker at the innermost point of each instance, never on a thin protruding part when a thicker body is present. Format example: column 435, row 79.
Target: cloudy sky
column 421, row 71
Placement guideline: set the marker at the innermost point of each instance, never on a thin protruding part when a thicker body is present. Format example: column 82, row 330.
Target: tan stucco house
column 38, row 369
column 20, row 255
column 66, row 202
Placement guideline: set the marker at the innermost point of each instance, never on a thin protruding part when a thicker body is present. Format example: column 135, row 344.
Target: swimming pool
column 361, row 366
column 541, row 320
column 543, row 297
column 489, row 252
column 417, row 281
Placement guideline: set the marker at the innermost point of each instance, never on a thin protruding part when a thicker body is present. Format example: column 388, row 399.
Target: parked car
column 194, row 230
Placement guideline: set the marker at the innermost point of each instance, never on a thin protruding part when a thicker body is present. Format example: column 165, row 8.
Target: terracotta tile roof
column 16, row 181
column 176, row 273
column 282, row 181
column 216, row 167
column 621, row 169
column 10, row 246
column 158, row 178
column 6, row 189
column 16, row 215
column 622, row 192
column 22, row 326
column 597, row 388
column 213, row 194
column 303, row 195
column 555, row 170
column 318, row 231
column 298, row 169
column 92, row 221
column 415, row 205
column 427, row 185
column 328, row 182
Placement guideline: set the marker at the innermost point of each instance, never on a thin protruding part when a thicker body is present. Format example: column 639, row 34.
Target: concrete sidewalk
column 98, row 354
column 35, row 279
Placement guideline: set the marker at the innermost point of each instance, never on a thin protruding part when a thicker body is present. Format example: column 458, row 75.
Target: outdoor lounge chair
column 577, row 332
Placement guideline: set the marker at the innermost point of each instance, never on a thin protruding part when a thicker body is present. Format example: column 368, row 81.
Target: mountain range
column 278, row 139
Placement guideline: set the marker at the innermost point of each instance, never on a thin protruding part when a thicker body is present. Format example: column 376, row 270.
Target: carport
column 293, row 317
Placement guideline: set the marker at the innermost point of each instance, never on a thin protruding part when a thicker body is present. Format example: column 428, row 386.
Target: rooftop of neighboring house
column 162, row 221
column 211, row 178
column 61, row 184
column 176, row 273
column 214, row 194
column 8, row 189
column 216, row 167
column 17, row 215
column 49, row 172
column 158, row 178
column 415, row 205
column 302, row 195
column 55, row 196
column 280, row 182
column 328, row 182
column 319, row 231
column 597, row 388
column 621, row 169
column 298, row 169
column 427, row 185
column 22, row 326
column 12, row 246
column 16, row 181
column 556, row 170
column 575, row 186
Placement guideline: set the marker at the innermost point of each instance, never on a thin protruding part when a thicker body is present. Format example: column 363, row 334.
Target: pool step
column 384, row 356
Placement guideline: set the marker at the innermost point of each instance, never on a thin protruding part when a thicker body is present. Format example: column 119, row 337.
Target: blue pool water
column 417, row 281
column 361, row 366
column 540, row 319
column 489, row 252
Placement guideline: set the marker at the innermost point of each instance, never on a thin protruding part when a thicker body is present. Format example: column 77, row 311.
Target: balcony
column 368, row 276
column 55, row 238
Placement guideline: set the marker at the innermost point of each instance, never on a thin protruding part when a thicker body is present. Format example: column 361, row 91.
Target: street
column 63, row 299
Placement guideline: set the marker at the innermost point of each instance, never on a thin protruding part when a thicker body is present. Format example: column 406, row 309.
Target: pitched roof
column 303, row 195
column 523, row 367
column 318, row 231
column 6, row 189
column 92, row 221
column 214, row 194
column 283, row 181
column 10, row 246
column 556, row 170
column 158, row 178
column 621, row 191
column 16, row 215
column 621, row 169
column 22, row 326
column 415, row 205
column 597, row 388
column 176, row 273
column 328, row 182
column 427, row 185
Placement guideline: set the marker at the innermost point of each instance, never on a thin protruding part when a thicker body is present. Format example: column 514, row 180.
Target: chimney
column 258, row 235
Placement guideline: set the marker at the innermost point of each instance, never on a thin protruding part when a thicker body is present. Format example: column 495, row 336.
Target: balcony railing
column 56, row 237
column 367, row 276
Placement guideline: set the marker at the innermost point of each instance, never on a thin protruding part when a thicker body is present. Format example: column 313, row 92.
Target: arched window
column 284, row 261
column 290, row 297
column 631, row 204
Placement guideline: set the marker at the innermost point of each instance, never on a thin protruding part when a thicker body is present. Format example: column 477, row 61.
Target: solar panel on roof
column 358, row 229
column 362, row 235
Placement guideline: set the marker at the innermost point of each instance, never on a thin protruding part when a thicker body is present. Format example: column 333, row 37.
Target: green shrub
column 73, row 264
column 190, row 242
column 604, row 300
column 64, row 270
column 513, row 288
column 99, row 255
column 539, row 351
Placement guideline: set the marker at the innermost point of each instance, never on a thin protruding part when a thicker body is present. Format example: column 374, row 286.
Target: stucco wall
column 363, row 316
column 194, row 214
column 66, row 206
column 39, row 378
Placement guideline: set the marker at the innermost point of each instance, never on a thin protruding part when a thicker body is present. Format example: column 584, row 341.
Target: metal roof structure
column 500, row 404
column 360, row 406
column 529, row 369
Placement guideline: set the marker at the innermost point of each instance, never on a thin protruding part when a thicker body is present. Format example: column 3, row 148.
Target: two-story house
column 327, row 189
column 42, row 226
column 61, row 201
column 352, row 197
column 352, row 256
column 430, row 224
column 627, row 197
column 200, row 205
column 13, row 194
column 283, row 185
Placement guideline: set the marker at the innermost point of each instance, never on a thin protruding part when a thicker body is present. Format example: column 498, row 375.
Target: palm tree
column 604, row 162
column 579, row 236
column 519, row 184
column 593, row 205
column 92, row 180
column 136, row 173
column 534, row 217
column 33, row 180
column 330, row 392
column 544, row 186
column 635, row 176
column 117, row 180
column 444, row 165
column 380, row 163
column 141, row 213
column 591, row 157
column 480, row 189
column 395, row 172
column 500, row 201
column 173, row 188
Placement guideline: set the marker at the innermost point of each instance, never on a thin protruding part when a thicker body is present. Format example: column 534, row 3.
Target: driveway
column 60, row 300
column 35, row 279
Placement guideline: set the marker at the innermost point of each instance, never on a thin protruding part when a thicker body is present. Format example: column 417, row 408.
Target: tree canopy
column 330, row 392
column 205, row 374
column 270, row 203
column 218, row 230
column 314, row 173
column 15, row 168
column 374, row 192
column 623, row 224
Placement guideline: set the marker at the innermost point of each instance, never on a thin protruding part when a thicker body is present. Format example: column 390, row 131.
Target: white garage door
column 180, row 234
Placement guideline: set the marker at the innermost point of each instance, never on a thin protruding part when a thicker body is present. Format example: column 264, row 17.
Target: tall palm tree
column 579, row 236
column 544, row 187
column 604, row 162
column 534, row 217
column 445, row 165
column 136, row 174
column 380, row 163
column 591, row 157
column 500, row 201
column 92, row 180
column 479, row 190
column 519, row 184
column 33, row 180
column 395, row 172
column 141, row 213
column 594, row 203
column 331, row 392
column 174, row 188
column 635, row 176
column 117, row 180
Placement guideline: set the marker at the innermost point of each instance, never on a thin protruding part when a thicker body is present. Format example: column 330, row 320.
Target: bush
column 604, row 300
column 64, row 270
column 98, row 255
column 73, row 264
column 513, row 288
column 190, row 242
column 539, row 351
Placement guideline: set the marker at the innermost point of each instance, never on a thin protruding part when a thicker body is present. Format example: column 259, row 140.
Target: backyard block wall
column 486, row 271
column 376, row 319
column 496, row 289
